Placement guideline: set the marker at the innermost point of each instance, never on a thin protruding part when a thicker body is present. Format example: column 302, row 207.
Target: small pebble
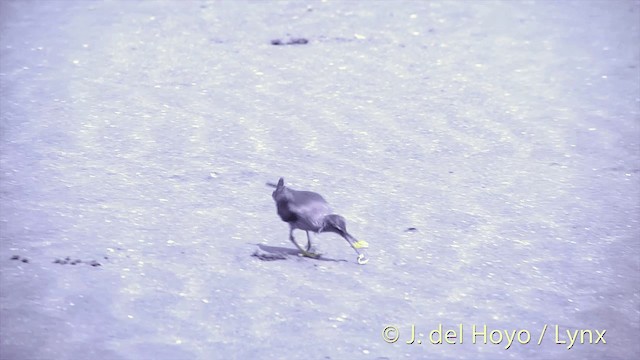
column 25, row 260
column 15, row 257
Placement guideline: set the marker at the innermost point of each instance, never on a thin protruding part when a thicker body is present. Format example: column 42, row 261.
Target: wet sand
column 487, row 151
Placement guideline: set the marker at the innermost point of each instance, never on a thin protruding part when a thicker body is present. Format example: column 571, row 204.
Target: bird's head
column 335, row 223
column 280, row 190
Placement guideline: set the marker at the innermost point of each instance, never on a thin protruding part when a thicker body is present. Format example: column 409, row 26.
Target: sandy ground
column 137, row 137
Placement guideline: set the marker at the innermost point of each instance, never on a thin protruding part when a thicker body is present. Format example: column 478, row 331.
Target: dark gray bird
column 308, row 211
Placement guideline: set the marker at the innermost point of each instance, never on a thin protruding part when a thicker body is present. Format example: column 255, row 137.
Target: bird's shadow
column 272, row 253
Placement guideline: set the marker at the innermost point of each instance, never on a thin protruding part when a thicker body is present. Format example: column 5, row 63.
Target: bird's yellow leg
column 308, row 242
column 310, row 254
column 304, row 252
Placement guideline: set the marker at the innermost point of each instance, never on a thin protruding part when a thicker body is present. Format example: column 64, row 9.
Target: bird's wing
column 309, row 206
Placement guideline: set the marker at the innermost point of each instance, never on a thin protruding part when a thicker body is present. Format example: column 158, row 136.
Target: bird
column 309, row 211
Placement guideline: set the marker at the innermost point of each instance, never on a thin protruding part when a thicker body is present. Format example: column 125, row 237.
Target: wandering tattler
column 308, row 211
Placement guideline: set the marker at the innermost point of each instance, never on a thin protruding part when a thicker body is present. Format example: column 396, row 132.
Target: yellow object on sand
column 361, row 244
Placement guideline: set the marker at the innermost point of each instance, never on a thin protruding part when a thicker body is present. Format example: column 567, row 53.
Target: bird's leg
column 310, row 248
column 309, row 242
column 293, row 240
column 304, row 252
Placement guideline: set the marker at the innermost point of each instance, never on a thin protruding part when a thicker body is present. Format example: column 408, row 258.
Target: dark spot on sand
column 410, row 229
column 292, row 41
column 67, row 260
column 298, row 41
column 17, row 257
